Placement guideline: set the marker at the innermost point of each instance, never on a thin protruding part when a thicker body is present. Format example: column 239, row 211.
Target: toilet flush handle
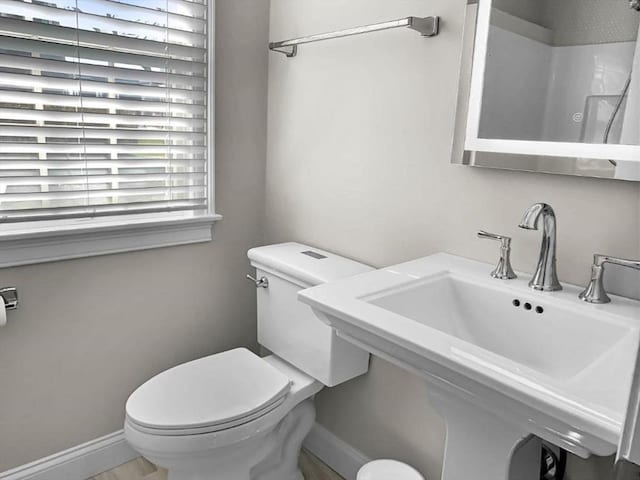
column 262, row 282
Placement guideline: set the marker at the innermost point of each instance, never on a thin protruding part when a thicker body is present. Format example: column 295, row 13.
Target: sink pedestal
column 481, row 445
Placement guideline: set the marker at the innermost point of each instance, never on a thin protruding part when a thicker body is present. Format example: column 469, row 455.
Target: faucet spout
column 530, row 219
column 545, row 277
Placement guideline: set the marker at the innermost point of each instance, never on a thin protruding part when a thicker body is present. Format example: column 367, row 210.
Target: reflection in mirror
column 562, row 71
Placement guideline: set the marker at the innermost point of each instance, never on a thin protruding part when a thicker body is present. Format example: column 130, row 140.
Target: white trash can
column 388, row 470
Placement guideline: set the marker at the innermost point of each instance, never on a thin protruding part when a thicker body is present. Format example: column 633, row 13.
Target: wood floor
column 141, row 469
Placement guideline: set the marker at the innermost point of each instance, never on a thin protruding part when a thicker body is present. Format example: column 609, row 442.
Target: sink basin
column 503, row 362
column 555, row 341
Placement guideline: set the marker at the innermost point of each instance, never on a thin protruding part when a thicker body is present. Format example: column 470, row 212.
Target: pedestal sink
column 505, row 364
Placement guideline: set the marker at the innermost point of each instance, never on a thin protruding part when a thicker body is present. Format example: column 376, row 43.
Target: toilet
column 235, row 415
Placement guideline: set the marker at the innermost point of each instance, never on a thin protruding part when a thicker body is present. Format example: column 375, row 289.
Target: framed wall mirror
column 551, row 86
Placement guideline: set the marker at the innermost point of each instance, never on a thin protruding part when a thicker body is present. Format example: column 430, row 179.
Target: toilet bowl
column 237, row 416
column 229, row 429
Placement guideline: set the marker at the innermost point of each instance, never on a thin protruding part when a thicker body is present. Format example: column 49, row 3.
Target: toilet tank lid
column 309, row 264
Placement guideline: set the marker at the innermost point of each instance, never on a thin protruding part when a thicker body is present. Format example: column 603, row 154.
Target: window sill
column 100, row 238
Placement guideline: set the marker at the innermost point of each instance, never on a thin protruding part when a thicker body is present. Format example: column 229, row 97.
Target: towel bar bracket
column 427, row 27
column 290, row 51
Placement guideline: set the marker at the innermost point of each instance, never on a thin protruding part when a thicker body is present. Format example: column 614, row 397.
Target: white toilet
column 234, row 415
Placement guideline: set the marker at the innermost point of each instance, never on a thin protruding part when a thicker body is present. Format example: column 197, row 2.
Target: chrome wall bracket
column 427, row 27
column 10, row 297
column 288, row 51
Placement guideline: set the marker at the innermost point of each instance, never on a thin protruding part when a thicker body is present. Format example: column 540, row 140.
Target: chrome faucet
column 545, row 277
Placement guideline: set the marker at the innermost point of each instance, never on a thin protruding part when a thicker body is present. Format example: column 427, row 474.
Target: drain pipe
column 627, row 465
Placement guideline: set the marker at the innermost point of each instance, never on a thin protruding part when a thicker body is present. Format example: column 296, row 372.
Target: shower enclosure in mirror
column 554, row 86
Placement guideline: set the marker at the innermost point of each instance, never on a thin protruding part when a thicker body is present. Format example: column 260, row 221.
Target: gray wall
column 89, row 331
column 359, row 142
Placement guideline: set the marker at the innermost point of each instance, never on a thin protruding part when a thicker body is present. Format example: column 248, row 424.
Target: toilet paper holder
column 10, row 297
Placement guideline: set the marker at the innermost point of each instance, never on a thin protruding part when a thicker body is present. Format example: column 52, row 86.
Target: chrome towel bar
column 427, row 27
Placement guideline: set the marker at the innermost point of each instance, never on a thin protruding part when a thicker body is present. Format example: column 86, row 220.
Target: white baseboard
column 105, row 453
column 79, row 462
column 336, row 453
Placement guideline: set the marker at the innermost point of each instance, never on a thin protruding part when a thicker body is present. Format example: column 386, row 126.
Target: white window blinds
column 103, row 108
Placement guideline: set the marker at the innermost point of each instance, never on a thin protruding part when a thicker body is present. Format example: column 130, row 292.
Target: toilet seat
column 207, row 395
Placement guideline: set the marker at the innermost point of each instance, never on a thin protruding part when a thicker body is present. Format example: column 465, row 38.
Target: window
column 103, row 118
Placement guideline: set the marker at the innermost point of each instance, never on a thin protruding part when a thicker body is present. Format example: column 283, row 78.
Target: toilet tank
column 289, row 328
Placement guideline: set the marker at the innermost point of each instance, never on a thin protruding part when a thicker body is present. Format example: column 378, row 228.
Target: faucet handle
column 595, row 292
column 503, row 270
column 504, row 240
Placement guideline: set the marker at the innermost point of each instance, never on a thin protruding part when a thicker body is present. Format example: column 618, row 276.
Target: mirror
column 555, row 87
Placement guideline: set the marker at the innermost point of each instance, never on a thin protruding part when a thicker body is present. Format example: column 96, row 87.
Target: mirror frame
column 612, row 161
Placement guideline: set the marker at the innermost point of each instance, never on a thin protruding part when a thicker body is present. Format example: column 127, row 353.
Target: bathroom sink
column 541, row 363
column 556, row 341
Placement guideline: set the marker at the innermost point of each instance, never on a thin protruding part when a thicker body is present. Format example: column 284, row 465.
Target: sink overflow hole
column 527, row 306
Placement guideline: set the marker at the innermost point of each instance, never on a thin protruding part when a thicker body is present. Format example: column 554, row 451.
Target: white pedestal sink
column 504, row 362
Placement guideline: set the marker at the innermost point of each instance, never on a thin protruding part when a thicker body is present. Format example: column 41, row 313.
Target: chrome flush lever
column 262, row 282
column 503, row 270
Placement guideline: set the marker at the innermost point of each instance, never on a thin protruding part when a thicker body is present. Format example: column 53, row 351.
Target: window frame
column 67, row 239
